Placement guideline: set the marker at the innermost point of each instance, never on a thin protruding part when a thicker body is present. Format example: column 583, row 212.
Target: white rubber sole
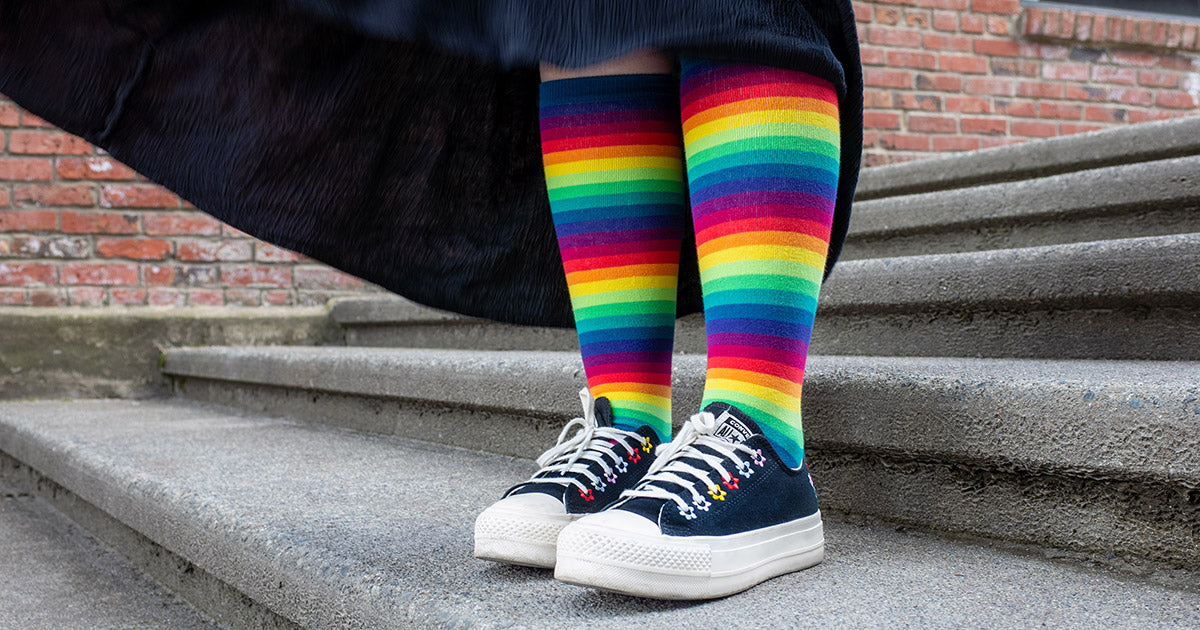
column 623, row 552
column 515, row 532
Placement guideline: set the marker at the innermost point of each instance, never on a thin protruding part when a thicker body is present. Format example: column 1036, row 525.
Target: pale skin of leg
column 636, row 62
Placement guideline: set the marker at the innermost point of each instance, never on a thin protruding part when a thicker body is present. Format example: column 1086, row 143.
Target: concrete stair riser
column 1143, row 199
column 1100, row 426
column 1061, row 301
column 1108, row 147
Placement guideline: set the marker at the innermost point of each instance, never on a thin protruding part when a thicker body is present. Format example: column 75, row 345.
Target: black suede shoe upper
column 761, row 493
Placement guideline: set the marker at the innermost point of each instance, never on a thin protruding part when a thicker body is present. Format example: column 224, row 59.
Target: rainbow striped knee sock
column 762, row 150
column 614, row 171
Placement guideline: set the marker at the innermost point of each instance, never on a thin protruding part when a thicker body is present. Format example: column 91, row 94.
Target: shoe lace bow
column 590, row 444
column 671, row 466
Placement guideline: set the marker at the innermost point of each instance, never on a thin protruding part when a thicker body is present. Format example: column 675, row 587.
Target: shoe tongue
column 604, row 412
column 732, row 425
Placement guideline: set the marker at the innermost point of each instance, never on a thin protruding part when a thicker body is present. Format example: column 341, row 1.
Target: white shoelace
column 669, row 467
column 590, row 443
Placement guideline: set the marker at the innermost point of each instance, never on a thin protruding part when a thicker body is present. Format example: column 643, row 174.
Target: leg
column 729, row 502
column 762, row 149
column 614, row 171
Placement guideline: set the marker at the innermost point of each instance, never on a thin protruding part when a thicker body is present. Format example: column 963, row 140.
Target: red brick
column 967, row 64
column 46, row 143
column 881, row 120
column 1175, row 99
column 10, row 116
column 1066, row 28
column 1174, row 35
column 4, row 199
column 127, row 297
column 26, row 274
column 278, row 298
column 127, row 196
column 945, row 21
column 51, row 246
column 877, row 98
column 893, row 36
column 1153, row 78
column 1034, row 129
column 205, row 297
column 912, row 59
column 917, row 18
column 13, row 297
column 1037, row 89
column 863, row 12
column 1104, row 114
column 996, row 6
column 870, row 138
column 1099, row 28
column 98, row 223
column 1065, row 71
column 998, row 25
column 229, row 230
column 873, row 56
column 905, row 141
column 1022, row 108
column 952, row 5
column 243, row 297
column 1085, row 93
column 254, row 275
column 1134, row 58
column 939, row 82
column 1177, row 62
column 134, row 248
column 887, row 15
column 932, row 124
column 99, row 273
column 165, row 297
column 5, row 247
column 1138, row 115
column 968, row 104
column 1061, row 110
column 325, row 278
column 29, row 120
column 266, row 252
column 880, row 77
column 98, row 168
column 1131, row 96
column 973, row 24
column 86, row 296
column 26, row 169
column 28, row 220
column 984, row 125
column 917, row 101
column 47, row 297
column 997, row 47
column 1034, row 21
column 196, row 223
column 1070, row 128
column 1014, row 67
column 1113, row 74
column 937, row 41
column 214, row 250
column 1190, row 37
column 54, row 195
column 990, row 85
column 1045, row 52
column 955, row 143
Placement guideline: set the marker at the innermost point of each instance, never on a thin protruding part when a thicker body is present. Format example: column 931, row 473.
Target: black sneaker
column 717, row 513
column 582, row 474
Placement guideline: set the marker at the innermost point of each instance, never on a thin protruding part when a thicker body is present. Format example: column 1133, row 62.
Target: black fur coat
column 396, row 140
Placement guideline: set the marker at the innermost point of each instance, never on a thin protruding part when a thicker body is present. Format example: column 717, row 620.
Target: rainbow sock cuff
column 763, row 146
column 614, row 173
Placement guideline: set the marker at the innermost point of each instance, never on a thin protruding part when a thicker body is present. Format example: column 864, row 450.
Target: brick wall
column 78, row 228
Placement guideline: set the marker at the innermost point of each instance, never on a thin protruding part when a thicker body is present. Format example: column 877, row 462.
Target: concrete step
column 1062, row 301
column 1099, row 456
column 1126, row 200
column 53, row 575
column 335, row 529
column 1107, row 147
